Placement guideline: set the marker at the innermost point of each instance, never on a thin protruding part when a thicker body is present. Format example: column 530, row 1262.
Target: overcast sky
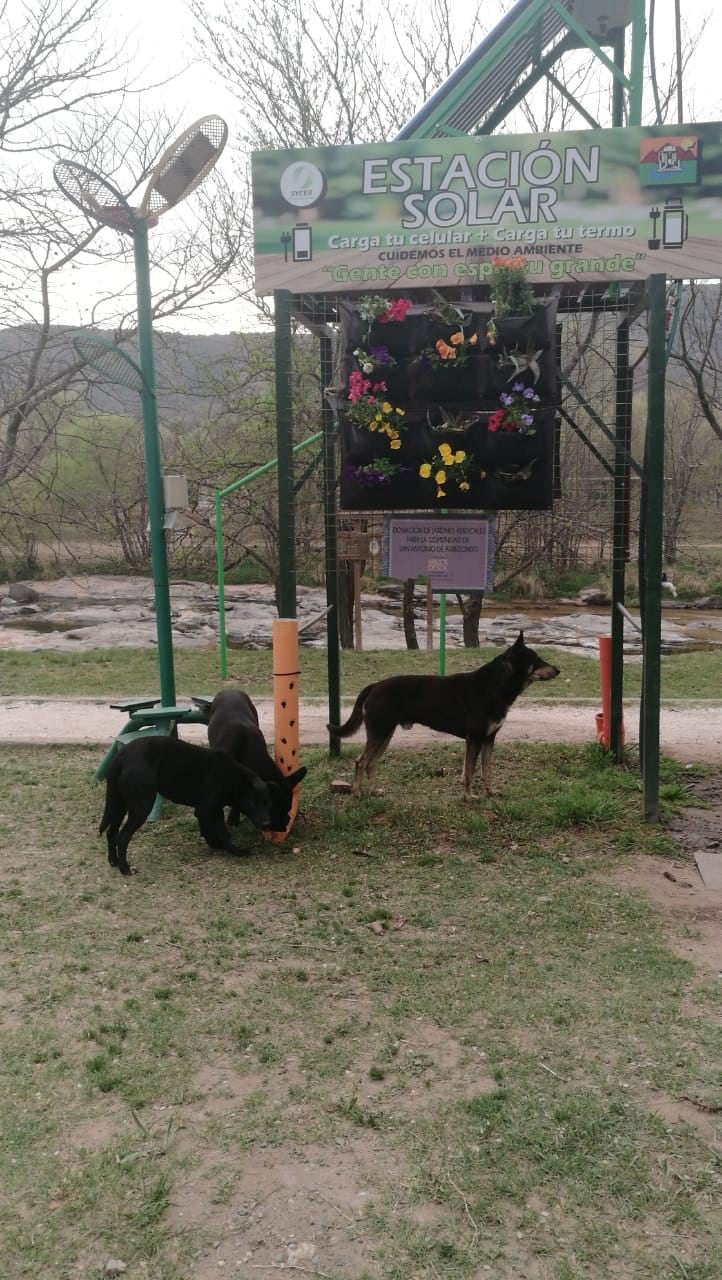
column 158, row 40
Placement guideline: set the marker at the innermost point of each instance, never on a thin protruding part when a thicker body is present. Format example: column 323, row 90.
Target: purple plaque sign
column 453, row 554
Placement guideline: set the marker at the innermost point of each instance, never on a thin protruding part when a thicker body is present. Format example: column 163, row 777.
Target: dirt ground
column 689, row 733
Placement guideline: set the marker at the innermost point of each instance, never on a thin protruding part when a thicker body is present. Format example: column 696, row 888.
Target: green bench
column 147, row 718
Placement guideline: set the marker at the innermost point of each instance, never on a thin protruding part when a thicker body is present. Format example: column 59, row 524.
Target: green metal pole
column 654, row 485
column 617, row 87
column 442, row 634
column 284, row 451
column 620, row 533
column 154, row 481
column 586, row 37
column 333, row 648
column 222, row 644
column 636, row 70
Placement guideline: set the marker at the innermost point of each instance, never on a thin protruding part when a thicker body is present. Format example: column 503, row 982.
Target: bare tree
column 64, row 92
column 698, row 349
column 307, row 74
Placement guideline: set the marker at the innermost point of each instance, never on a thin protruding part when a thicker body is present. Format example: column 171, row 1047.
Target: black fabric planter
column 526, row 333
column 517, row 470
column 448, row 383
column 358, row 444
column 505, row 470
column 541, row 378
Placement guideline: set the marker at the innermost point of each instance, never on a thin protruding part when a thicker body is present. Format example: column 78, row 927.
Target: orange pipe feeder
column 285, row 709
column 603, row 718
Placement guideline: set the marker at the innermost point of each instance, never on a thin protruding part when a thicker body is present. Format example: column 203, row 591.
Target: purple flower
column 518, row 386
column 527, row 419
column 506, row 399
column 368, row 475
column 529, row 394
column 381, row 355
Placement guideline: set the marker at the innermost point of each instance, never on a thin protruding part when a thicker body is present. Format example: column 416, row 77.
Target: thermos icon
column 675, row 223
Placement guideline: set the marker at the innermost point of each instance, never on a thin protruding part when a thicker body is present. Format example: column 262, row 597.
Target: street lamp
column 181, row 168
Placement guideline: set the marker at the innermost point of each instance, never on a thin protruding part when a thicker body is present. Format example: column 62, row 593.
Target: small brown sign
column 353, row 545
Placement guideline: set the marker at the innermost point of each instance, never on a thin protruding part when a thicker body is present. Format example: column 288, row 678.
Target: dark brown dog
column 471, row 705
column 186, row 774
column 233, row 727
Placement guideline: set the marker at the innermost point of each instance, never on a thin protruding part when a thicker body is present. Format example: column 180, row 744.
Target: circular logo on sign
column 302, row 184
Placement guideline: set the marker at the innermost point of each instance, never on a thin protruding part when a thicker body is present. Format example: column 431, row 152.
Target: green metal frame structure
column 524, row 48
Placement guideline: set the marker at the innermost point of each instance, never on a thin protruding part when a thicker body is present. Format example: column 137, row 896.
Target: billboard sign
column 452, row 553
column 597, row 204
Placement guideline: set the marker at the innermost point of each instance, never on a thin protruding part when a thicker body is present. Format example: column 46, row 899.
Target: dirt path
column 691, row 733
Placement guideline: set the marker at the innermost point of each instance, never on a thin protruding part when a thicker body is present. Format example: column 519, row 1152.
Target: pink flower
column 395, row 310
column 358, row 386
column 398, row 308
column 495, row 420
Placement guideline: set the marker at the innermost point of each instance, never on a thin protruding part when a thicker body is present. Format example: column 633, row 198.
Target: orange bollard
column 605, row 681
column 603, row 718
column 285, row 708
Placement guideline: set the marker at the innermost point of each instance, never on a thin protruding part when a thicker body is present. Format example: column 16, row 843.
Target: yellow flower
column 425, row 470
column 386, row 407
column 400, row 412
column 395, row 443
column 445, row 452
column 440, row 476
column 444, row 351
column 457, row 338
column 459, row 456
column 464, row 485
column 441, row 493
column 377, row 417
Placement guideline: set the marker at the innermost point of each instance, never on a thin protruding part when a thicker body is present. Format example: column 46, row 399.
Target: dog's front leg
column 216, row 834
column 471, row 755
column 486, row 750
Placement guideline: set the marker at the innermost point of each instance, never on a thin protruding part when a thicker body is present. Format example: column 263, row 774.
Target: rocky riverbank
column 79, row 614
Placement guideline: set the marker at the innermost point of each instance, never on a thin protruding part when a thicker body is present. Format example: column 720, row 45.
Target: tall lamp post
column 181, row 168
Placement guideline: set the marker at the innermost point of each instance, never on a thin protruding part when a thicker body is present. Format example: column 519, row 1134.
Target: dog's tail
column 105, row 820
column 355, row 719
column 111, row 798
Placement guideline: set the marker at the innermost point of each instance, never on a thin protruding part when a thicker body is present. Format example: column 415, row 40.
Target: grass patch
column 202, row 1060
column 116, row 673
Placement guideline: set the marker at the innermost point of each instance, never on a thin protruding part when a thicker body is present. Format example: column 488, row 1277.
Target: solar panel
column 527, row 34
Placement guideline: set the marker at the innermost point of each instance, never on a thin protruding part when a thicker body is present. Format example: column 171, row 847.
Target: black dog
column 472, row 706
column 185, row 774
column 233, row 727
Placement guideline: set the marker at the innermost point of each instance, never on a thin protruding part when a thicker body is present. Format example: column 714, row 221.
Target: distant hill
column 189, row 368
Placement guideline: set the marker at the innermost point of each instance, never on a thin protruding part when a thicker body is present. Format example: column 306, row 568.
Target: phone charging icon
column 301, row 242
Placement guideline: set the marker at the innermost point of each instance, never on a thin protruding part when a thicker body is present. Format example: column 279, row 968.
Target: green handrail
column 219, row 496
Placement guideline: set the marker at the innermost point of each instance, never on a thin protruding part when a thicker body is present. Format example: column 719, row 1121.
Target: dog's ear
column 519, row 642
column 294, row 778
